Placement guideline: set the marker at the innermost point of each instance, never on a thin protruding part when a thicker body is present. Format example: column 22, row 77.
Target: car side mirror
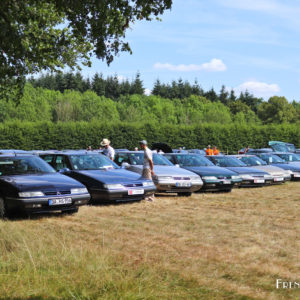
column 125, row 165
column 64, row 170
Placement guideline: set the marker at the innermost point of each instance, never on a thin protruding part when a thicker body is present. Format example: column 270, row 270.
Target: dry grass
column 208, row 246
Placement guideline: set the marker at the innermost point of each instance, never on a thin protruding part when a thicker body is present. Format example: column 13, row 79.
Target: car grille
column 56, row 193
column 133, row 185
column 182, row 178
column 224, row 177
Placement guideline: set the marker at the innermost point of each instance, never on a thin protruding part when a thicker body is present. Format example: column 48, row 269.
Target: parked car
column 279, row 175
column 105, row 181
column 251, row 177
column 289, row 157
column 278, row 146
column 30, row 185
column 214, row 178
column 197, row 151
column 168, row 178
column 275, row 160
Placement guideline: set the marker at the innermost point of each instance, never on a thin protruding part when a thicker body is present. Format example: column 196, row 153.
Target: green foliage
column 34, row 35
column 77, row 135
column 277, row 110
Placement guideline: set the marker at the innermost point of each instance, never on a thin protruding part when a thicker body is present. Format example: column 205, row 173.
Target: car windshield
column 252, row 161
column 271, row 159
column 20, row 165
column 289, row 157
column 193, row 161
column 158, row 159
column 92, row 162
column 226, row 161
column 283, row 147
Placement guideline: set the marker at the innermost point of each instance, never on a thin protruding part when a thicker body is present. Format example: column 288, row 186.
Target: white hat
column 143, row 142
column 105, row 142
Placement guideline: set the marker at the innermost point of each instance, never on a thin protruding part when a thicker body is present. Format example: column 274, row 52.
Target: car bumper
column 212, row 186
column 41, row 205
column 124, row 195
column 252, row 183
column 173, row 187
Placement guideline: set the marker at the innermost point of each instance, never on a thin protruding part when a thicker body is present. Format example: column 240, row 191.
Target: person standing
column 216, row 151
column 209, row 151
column 108, row 151
column 148, row 165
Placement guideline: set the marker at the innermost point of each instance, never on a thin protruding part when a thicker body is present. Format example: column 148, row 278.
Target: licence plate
column 59, row 201
column 135, row 192
column 183, row 184
column 259, row 181
column 278, row 179
column 226, row 182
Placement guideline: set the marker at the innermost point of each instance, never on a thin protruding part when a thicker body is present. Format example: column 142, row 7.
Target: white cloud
column 147, row 92
column 121, row 78
column 215, row 65
column 258, row 89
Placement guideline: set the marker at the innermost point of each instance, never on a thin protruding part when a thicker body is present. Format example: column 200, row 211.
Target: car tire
column 3, row 211
column 184, row 194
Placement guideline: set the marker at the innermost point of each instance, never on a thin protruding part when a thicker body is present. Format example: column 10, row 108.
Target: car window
column 92, row 162
column 158, row 159
column 60, row 162
column 193, row 160
column 252, row 161
column 122, row 158
column 23, row 165
column 225, row 161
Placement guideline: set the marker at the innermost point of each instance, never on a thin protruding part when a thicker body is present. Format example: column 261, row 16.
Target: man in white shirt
column 109, row 150
column 148, row 165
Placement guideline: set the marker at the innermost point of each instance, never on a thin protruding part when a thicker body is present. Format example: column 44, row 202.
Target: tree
column 277, row 110
column 49, row 35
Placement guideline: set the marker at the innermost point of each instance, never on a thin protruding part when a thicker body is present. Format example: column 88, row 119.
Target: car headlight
column 148, row 183
column 209, row 177
column 113, row 186
column 246, row 176
column 31, row 194
column 79, row 191
column 235, row 177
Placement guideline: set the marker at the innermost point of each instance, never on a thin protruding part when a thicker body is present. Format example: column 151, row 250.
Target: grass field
column 208, row 246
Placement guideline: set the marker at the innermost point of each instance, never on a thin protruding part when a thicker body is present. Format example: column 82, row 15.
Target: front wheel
column 3, row 212
column 184, row 194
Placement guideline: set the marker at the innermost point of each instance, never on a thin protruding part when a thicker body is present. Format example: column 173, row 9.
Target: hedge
column 228, row 138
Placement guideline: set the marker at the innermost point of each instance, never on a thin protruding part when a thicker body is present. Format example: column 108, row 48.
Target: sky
column 242, row 44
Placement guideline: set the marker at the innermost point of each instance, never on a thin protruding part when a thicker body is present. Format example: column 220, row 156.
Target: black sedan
column 105, row 181
column 214, row 178
column 30, row 185
column 251, row 177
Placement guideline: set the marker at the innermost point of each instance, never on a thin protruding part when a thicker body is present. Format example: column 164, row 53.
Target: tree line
column 179, row 101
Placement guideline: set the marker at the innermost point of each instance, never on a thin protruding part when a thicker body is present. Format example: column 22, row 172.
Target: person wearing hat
column 108, row 149
column 148, row 164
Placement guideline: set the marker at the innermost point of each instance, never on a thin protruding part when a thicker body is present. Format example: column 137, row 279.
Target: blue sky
column 242, row 44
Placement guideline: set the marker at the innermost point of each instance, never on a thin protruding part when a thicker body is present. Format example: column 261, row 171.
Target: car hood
column 288, row 166
column 164, row 170
column 41, row 182
column 211, row 171
column 269, row 169
column 246, row 170
column 111, row 175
